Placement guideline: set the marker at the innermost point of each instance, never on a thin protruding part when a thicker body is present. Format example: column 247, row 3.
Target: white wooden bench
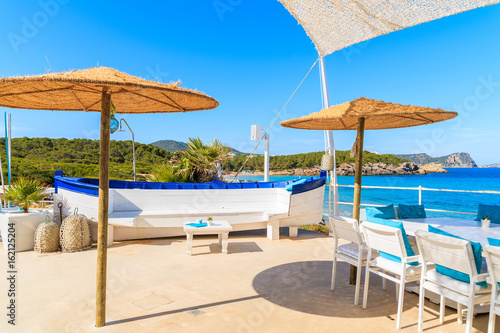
column 175, row 218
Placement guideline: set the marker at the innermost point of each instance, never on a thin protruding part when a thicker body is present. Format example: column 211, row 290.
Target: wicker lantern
column 76, row 234
column 327, row 162
column 47, row 237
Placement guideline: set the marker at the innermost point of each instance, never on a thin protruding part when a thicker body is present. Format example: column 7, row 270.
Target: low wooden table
column 221, row 228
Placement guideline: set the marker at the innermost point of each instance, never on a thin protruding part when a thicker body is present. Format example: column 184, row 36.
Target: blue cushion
column 197, row 225
column 298, row 182
column 386, row 212
column 411, row 212
column 399, row 225
column 478, row 258
column 491, row 211
column 493, row 241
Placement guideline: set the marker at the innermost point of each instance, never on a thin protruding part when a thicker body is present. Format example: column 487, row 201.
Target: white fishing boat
column 140, row 210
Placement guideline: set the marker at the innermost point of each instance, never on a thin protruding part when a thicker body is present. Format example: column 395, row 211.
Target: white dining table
column 468, row 229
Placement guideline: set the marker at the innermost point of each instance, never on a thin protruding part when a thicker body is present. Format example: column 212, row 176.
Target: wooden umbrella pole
column 357, row 184
column 102, row 228
column 359, row 169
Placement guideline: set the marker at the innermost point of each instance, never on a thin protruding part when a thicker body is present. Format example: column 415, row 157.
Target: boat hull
column 136, row 213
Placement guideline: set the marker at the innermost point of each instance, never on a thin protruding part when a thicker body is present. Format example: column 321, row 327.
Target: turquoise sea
column 458, row 179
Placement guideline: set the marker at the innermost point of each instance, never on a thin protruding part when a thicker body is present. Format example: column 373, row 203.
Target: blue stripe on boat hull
column 90, row 186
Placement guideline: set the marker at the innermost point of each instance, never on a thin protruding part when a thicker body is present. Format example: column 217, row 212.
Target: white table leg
column 220, row 239
column 225, row 237
column 189, row 243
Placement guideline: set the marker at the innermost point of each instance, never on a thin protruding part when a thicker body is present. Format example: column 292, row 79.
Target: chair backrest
column 493, row 259
column 384, row 238
column 345, row 228
column 450, row 252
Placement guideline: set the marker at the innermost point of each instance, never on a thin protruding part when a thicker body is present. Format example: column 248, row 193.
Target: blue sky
column 251, row 58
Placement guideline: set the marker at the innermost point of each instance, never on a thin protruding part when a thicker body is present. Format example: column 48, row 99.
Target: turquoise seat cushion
column 298, row 182
column 411, row 212
column 493, row 241
column 386, row 212
column 399, row 225
column 478, row 258
column 491, row 211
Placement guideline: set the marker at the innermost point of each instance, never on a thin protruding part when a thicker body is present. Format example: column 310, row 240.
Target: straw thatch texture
column 82, row 89
column 334, row 25
column 377, row 114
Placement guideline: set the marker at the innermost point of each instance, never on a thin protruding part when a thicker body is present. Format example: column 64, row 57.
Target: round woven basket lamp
column 47, row 237
column 76, row 234
column 327, row 162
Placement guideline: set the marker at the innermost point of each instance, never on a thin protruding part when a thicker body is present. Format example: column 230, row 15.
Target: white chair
column 390, row 240
column 493, row 258
column 354, row 253
column 456, row 254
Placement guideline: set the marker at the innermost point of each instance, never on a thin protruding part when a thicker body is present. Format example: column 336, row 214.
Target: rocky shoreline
column 370, row 169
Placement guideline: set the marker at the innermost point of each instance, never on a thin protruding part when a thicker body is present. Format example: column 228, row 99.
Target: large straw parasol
column 92, row 90
column 364, row 113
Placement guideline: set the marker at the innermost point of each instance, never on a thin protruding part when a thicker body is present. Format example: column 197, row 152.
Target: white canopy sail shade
column 335, row 24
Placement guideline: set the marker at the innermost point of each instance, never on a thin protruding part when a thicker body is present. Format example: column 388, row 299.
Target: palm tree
column 170, row 172
column 203, row 158
column 25, row 192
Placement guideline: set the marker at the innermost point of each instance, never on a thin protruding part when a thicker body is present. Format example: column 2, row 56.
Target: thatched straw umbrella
column 364, row 113
column 92, row 90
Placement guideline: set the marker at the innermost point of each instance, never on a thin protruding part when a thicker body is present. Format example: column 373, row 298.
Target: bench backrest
column 199, row 200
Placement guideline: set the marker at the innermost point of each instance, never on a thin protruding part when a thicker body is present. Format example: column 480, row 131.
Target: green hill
column 307, row 160
column 40, row 157
column 170, row 145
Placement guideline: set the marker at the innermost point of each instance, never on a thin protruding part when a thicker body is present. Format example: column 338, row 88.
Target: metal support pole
column 102, row 227
column 133, row 142
column 330, row 142
column 266, row 158
column 3, row 184
column 9, row 145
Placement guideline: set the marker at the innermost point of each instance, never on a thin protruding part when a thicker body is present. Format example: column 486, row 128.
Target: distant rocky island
column 496, row 165
column 456, row 160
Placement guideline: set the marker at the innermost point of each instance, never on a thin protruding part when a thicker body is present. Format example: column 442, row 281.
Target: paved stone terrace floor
column 259, row 286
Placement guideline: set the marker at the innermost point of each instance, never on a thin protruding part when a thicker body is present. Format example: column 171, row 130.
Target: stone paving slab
column 260, row 286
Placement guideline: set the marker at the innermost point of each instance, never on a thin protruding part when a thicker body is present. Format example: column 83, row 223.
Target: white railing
column 420, row 189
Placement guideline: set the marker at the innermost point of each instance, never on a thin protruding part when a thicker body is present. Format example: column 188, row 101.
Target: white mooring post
column 420, row 195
